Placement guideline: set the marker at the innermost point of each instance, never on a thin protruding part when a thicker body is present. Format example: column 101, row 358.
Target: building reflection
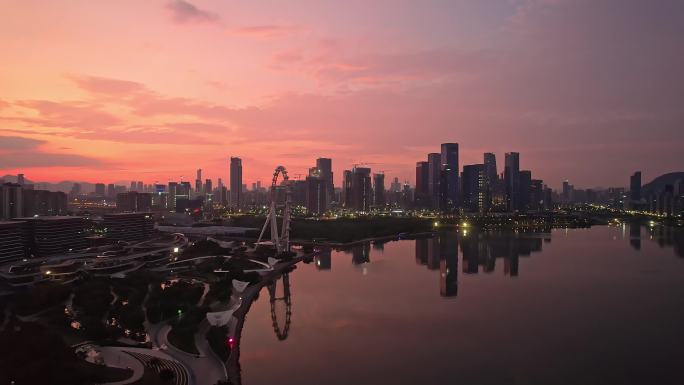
column 479, row 252
column 323, row 260
column 635, row 236
column 448, row 264
column 361, row 253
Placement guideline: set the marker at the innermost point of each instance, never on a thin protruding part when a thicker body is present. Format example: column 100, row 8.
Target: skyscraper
column 474, row 193
column 525, row 189
column 635, row 186
column 316, row 192
column 450, row 169
column 512, row 181
column 421, row 194
column 324, row 165
column 111, row 191
column 361, row 188
column 235, row 182
column 379, row 190
column 198, row 181
column 347, row 188
column 434, row 175
column 100, row 189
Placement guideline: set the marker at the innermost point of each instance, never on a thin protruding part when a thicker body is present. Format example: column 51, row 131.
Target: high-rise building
column 325, row 167
column 635, row 186
column 525, row 189
column 11, row 201
column 434, row 176
column 379, row 190
column 421, row 193
column 100, row 189
column 474, row 187
column 449, row 169
column 171, row 199
column 235, row 182
column 198, row 182
column 493, row 185
column 133, row 201
column 347, row 188
column 316, row 193
column 208, row 188
column 111, row 192
column 75, row 190
column 536, row 195
column 361, row 188
column 568, row 192
column 512, row 181
column 139, row 187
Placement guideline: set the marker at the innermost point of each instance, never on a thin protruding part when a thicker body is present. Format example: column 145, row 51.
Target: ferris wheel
column 280, row 241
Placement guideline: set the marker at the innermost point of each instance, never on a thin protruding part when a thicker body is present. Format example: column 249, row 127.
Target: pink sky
column 151, row 90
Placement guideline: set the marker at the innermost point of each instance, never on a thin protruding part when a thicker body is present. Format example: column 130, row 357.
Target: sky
column 104, row 91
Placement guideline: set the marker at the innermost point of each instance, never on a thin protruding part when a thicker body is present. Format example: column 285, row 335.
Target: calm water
column 592, row 306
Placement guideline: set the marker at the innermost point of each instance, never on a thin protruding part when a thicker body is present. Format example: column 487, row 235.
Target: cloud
column 42, row 159
column 266, row 31
column 107, row 86
column 18, row 152
column 185, row 12
column 17, row 143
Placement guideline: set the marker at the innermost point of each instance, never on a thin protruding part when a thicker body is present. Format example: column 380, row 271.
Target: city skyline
column 385, row 87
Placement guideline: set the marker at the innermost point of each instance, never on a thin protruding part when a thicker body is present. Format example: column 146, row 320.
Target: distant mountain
column 65, row 186
column 658, row 184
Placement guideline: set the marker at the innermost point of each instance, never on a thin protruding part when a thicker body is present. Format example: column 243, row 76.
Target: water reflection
column 338, row 307
column 286, row 300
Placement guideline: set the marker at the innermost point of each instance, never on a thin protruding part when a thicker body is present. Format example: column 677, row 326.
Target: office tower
column 316, row 193
column 100, row 189
column 491, row 174
column 111, row 193
column 490, row 166
column 198, row 181
column 208, row 186
column 474, row 184
column 139, row 187
column 133, row 186
column 635, row 186
column 235, row 182
column 536, row 195
column 396, row 185
column 512, row 180
column 171, row 199
column 347, row 188
column 20, row 179
column 325, row 167
column 548, row 198
column 525, row 182
column 361, row 188
column 568, row 192
column 434, row 176
column 379, row 190
column 75, row 190
column 421, row 194
column 450, row 169
column 11, row 201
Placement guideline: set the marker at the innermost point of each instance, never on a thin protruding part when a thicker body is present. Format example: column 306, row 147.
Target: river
column 603, row 305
